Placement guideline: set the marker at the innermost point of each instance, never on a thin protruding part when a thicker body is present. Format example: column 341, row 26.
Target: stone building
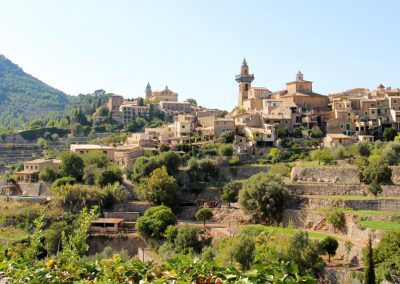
column 32, row 169
column 165, row 95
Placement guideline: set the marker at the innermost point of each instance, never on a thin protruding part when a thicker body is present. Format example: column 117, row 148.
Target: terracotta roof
column 107, row 220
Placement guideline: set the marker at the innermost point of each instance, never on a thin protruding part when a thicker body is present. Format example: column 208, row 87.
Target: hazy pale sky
column 196, row 47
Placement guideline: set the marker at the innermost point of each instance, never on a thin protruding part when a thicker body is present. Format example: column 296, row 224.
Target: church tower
column 244, row 79
column 148, row 91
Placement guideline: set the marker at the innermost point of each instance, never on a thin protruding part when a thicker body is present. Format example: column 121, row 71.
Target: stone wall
column 360, row 204
column 129, row 243
column 344, row 175
column 396, row 175
column 140, row 207
column 339, row 189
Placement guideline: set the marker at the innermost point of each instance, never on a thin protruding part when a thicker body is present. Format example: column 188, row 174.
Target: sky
column 196, row 47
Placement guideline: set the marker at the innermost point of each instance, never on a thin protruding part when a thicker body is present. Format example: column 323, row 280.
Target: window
column 183, row 126
column 104, row 152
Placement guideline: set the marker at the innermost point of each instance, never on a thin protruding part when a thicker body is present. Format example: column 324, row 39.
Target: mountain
column 23, row 97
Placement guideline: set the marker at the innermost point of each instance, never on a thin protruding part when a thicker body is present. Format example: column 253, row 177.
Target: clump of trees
column 264, row 196
column 160, row 188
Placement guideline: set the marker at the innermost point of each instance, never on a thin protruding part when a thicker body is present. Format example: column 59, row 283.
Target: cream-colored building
column 175, row 107
column 159, row 96
column 33, row 168
column 86, row 148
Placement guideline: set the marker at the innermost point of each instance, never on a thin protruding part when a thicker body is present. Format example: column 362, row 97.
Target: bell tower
column 148, row 91
column 244, row 79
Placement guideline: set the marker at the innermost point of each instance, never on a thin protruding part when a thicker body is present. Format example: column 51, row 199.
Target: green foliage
column 191, row 101
column 369, row 272
column 202, row 170
column 275, row 155
column 234, row 160
column 53, row 236
column 375, row 188
column 391, row 153
column 185, row 239
column 387, row 257
column 77, row 196
column 159, row 188
column 263, row 196
column 323, row 156
column 135, row 126
column 336, row 218
column 229, row 196
column 306, row 254
column 111, row 175
column 23, row 97
column 170, row 160
column 63, row 181
column 329, row 246
column 204, row 214
column 97, row 158
column 144, row 166
column 48, row 174
column 389, row 134
column 316, row 132
column 377, row 171
column 155, row 221
column 227, row 137
column 244, row 250
column 71, row 165
column 282, row 169
column 225, row 150
column 34, row 134
column 297, row 133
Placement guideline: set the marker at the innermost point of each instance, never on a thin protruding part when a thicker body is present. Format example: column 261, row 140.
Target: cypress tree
column 369, row 274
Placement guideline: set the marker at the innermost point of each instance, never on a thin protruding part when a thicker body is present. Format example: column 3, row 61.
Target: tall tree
column 369, row 273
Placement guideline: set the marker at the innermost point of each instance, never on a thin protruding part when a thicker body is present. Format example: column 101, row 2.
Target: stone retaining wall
column 339, row 189
column 344, row 175
column 129, row 243
column 140, row 207
column 362, row 204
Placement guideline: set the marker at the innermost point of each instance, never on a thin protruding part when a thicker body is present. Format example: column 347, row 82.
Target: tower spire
column 244, row 79
column 148, row 91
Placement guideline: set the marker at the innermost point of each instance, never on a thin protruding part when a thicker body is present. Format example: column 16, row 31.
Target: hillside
column 23, row 97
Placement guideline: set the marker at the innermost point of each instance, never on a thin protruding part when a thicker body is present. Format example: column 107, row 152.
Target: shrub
column 48, row 174
column 64, row 181
column 323, row 156
column 155, row 221
column 275, row 155
column 109, row 176
column 227, row 137
column 389, row 134
column 375, row 188
column 377, row 170
column 202, row 170
column 234, row 161
column 336, row 218
column 225, row 150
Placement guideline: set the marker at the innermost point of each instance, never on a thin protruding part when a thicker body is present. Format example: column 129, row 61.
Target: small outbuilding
column 106, row 226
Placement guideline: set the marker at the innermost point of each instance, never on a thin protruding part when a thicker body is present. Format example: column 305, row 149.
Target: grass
column 366, row 213
column 316, row 164
column 380, row 225
column 363, row 213
column 11, row 234
column 257, row 229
